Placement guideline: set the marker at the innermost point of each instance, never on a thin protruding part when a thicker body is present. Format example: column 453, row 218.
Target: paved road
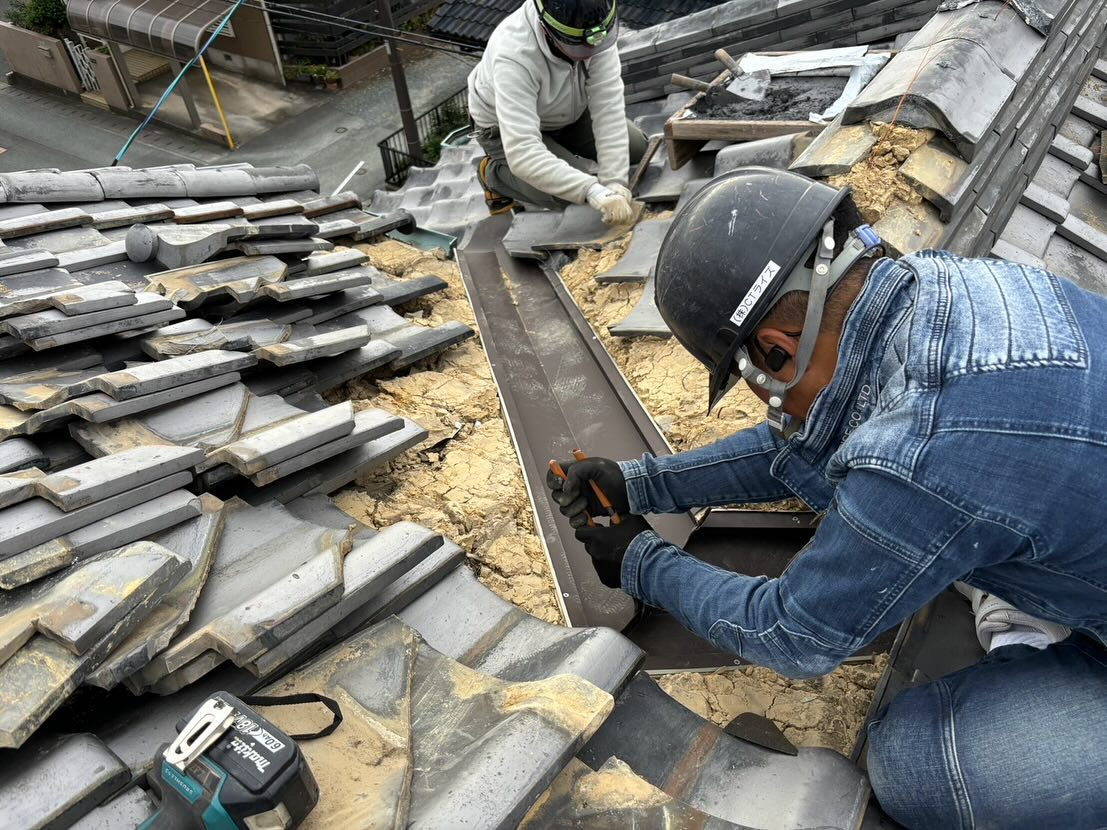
column 39, row 129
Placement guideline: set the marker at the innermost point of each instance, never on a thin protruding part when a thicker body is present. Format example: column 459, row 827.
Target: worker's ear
column 779, row 350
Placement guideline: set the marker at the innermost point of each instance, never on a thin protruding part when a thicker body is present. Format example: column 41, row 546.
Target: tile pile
column 459, row 709
column 446, row 198
column 165, row 531
column 162, row 444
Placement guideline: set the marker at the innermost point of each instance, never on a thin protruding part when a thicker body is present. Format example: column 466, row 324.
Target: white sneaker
column 999, row 623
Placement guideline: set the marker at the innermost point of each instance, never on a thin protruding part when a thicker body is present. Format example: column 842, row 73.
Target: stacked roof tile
column 148, row 453
column 165, row 530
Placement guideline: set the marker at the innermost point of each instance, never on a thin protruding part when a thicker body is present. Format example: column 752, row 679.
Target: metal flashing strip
column 560, row 389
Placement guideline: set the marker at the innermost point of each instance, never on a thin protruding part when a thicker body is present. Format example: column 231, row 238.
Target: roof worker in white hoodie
column 547, row 103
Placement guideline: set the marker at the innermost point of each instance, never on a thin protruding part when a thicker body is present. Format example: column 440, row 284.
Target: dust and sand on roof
column 465, row 482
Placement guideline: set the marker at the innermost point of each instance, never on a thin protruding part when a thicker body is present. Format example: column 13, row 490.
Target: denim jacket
column 963, row 436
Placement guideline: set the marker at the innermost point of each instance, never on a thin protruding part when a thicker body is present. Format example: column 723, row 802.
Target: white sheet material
column 863, row 69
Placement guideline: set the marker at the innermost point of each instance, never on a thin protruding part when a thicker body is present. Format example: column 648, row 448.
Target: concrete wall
column 38, row 57
column 369, row 64
column 688, row 45
column 111, row 85
column 251, row 51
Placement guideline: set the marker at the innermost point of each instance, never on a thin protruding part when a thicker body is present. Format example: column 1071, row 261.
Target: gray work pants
column 574, row 144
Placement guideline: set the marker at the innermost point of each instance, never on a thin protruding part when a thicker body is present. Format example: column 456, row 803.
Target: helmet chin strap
column 817, row 281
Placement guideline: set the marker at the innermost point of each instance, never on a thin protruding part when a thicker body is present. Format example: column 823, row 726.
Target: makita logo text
column 263, row 736
column 240, row 747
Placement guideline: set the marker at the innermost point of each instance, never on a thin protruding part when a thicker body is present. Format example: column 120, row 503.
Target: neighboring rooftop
column 472, row 21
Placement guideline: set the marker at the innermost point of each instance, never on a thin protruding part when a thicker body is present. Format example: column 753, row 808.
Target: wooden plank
column 705, row 129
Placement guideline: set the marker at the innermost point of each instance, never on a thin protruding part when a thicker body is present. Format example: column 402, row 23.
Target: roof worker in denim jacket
column 946, row 416
column 547, row 103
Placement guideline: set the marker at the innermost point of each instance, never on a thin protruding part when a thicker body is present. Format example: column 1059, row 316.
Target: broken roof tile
column 327, row 262
column 314, row 286
column 208, row 421
column 272, row 573
column 369, row 424
column 58, row 779
column 937, row 174
column 287, row 439
column 611, row 798
column 338, row 471
column 682, row 754
column 466, row 621
column 314, row 347
column 241, row 277
column 195, row 541
column 371, row 566
column 833, row 152
column 43, row 673
column 78, row 608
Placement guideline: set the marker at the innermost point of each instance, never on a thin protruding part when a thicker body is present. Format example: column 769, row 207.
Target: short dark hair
column 789, row 311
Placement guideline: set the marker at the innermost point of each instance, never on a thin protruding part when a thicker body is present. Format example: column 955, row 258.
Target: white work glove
column 622, row 190
column 615, row 208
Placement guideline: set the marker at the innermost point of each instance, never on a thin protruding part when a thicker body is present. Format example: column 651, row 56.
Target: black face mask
column 557, row 53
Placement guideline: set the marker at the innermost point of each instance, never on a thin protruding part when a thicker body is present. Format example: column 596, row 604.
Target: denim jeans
column 1017, row 741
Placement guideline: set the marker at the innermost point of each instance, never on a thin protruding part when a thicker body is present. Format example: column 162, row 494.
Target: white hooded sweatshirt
column 523, row 88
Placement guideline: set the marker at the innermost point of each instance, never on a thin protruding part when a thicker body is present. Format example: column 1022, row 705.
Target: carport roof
column 172, row 28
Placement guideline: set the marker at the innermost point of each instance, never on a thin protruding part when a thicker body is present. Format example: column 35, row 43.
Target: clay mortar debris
column 465, row 481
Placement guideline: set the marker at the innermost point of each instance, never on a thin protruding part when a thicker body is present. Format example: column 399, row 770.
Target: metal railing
column 432, row 126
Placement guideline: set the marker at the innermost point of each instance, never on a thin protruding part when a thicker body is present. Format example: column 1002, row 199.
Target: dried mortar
column 876, row 180
column 465, row 481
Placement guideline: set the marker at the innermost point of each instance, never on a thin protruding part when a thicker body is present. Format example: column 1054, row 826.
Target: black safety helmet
column 741, row 243
column 581, row 28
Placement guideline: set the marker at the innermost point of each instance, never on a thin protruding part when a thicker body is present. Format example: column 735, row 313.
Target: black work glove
column 574, row 494
column 608, row 545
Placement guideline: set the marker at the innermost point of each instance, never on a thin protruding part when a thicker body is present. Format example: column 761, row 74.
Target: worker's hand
column 621, row 190
column 608, row 545
column 615, row 208
column 574, row 494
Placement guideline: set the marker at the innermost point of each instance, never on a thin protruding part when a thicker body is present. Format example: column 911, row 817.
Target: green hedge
column 47, row 17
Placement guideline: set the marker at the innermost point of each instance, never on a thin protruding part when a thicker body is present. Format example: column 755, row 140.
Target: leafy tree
column 47, row 17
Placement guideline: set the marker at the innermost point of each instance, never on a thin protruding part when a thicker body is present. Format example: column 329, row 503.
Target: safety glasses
column 581, row 43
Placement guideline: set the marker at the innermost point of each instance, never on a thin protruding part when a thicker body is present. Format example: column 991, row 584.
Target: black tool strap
column 294, row 700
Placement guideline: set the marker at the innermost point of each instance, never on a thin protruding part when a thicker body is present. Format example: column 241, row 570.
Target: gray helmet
column 740, row 244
